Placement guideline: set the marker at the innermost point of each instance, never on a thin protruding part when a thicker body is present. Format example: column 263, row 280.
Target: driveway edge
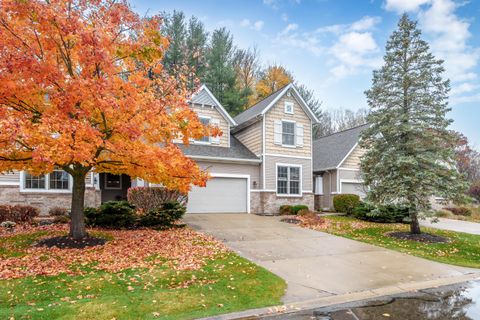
column 344, row 298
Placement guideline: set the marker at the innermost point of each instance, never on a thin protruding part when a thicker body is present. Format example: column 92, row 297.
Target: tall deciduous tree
column 271, row 79
column 246, row 68
column 407, row 160
column 76, row 95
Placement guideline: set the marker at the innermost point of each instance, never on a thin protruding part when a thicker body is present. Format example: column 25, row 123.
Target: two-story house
column 262, row 160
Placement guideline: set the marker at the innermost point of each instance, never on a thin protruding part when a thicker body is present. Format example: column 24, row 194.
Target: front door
column 114, row 187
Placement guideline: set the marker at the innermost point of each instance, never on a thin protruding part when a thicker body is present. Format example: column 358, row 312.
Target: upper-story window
column 58, row 180
column 289, row 107
column 206, row 122
column 288, row 133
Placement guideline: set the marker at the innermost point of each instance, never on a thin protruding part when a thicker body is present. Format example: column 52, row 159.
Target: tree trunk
column 77, row 225
column 414, row 224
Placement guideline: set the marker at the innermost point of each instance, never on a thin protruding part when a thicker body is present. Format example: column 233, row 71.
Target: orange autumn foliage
column 83, row 87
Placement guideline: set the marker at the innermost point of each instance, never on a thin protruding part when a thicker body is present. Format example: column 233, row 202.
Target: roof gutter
column 226, row 160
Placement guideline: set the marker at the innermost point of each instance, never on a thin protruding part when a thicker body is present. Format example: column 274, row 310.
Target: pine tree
column 175, row 29
column 196, row 44
column 407, row 160
column 220, row 75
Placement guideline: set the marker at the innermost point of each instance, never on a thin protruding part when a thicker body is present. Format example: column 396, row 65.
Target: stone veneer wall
column 45, row 201
column 323, row 202
column 269, row 202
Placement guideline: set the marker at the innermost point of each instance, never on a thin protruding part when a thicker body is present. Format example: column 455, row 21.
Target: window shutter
column 299, row 135
column 215, row 123
column 277, row 127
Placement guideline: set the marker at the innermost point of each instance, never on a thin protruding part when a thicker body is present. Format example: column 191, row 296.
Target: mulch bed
column 422, row 237
column 291, row 220
column 66, row 242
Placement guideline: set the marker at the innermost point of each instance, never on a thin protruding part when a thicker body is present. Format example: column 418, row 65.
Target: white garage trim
column 239, row 176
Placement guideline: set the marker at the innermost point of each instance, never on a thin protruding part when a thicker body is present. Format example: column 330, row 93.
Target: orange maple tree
column 83, row 88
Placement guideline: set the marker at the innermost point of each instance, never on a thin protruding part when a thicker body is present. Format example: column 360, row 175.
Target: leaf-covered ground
column 463, row 249
column 142, row 274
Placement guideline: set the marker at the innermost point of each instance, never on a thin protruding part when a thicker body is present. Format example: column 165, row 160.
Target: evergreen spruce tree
column 196, row 49
column 176, row 31
column 408, row 159
column 220, row 75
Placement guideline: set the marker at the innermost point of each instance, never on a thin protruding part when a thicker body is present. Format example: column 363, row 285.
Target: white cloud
column 366, row 23
column 290, row 27
column 352, row 48
column 284, row 17
column 257, row 25
column 401, row 6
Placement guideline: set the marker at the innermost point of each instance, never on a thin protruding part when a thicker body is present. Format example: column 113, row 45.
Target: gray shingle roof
column 330, row 150
column 236, row 150
column 257, row 108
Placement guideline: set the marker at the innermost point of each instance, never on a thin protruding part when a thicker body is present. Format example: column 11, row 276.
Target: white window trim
column 294, row 145
column 288, row 104
column 110, row 188
column 300, row 194
column 47, row 185
column 195, row 141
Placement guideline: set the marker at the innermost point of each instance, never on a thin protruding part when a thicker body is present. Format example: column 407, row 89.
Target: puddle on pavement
column 459, row 302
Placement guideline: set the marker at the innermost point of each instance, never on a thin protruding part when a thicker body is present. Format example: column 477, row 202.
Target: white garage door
column 226, row 195
column 354, row 188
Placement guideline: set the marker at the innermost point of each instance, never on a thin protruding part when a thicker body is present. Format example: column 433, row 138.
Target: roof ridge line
column 332, row 134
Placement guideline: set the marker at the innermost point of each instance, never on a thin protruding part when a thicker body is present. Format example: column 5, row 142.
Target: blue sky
column 332, row 46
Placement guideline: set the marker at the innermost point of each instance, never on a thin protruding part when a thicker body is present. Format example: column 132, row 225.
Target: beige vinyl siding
column 353, row 160
column 231, row 168
column 251, row 137
column 213, row 113
column 11, row 178
column 349, row 174
column 277, row 112
column 271, row 174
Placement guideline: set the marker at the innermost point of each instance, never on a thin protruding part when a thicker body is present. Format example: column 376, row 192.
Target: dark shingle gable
column 330, row 150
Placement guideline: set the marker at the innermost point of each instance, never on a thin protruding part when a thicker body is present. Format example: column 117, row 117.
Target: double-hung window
column 206, row 122
column 288, row 180
column 288, row 133
column 58, row 180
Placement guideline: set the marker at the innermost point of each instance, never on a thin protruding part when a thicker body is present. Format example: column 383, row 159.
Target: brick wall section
column 45, row 201
column 269, row 202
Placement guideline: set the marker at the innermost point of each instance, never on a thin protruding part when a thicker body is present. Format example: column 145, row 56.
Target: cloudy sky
column 332, row 46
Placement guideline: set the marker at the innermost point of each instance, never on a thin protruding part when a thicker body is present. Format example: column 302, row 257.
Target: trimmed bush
column 163, row 217
column 460, row 211
column 345, row 203
column 286, row 210
column 381, row 214
column 18, row 213
column 61, row 219
column 58, row 212
column 298, row 207
column 112, row 214
column 146, row 199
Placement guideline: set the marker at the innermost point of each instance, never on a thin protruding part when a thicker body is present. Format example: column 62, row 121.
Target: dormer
column 211, row 111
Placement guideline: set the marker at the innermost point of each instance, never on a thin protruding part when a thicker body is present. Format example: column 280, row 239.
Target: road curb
column 344, row 298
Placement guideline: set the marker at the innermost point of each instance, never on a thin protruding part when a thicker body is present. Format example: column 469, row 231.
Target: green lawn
column 225, row 284
column 462, row 250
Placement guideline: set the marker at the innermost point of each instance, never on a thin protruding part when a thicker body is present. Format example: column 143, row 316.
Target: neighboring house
column 336, row 166
column 262, row 160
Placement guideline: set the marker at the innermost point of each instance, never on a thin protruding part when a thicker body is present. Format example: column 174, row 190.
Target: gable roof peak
column 210, row 99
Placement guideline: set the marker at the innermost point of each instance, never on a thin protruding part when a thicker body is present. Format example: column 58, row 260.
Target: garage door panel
column 221, row 195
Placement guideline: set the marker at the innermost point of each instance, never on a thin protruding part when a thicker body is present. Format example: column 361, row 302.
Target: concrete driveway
column 453, row 225
column 317, row 264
